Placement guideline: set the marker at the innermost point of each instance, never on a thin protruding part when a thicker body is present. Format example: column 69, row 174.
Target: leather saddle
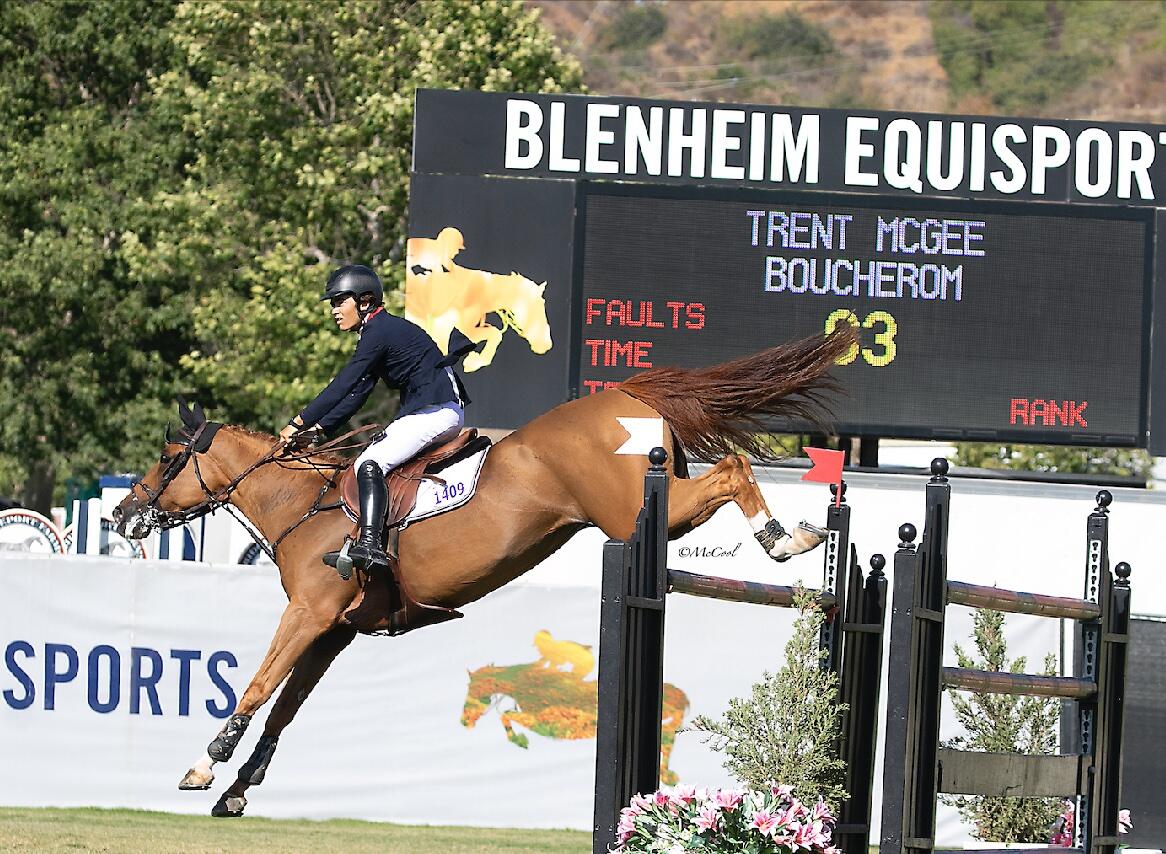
column 384, row 604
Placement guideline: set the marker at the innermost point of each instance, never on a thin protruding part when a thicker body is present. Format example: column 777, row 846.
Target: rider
column 402, row 354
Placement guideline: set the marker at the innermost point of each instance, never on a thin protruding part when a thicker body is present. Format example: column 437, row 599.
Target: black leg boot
column 367, row 552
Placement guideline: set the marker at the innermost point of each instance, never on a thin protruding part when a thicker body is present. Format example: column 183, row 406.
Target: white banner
column 117, row 673
column 382, row 736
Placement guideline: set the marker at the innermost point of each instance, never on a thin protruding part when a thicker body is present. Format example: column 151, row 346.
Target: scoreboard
column 1006, row 277
column 973, row 321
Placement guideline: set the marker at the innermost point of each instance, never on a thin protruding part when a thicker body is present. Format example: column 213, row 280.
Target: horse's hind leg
column 303, row 679
column 693, row 502
column 299, row 627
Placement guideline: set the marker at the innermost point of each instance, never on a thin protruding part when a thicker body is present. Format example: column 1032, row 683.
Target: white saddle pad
column 457, row 486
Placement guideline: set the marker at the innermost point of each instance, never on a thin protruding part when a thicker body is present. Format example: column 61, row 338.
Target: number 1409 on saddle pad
column 441, row 484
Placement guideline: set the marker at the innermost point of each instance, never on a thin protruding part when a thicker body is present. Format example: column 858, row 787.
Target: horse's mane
column 720, row 410
column 323, row 457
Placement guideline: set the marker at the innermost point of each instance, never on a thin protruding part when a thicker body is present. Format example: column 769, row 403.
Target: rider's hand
column 297, row 436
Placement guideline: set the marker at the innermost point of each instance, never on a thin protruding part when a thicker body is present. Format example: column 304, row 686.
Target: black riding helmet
column 354, row 279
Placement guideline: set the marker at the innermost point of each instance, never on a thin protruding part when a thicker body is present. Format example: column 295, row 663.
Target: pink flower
column 798, row 810
column 789, row 817
column 660, row 798
column 1063, row 829
column 1124, row 824
column 728, row 799
column 708, row 818
column 626, row 826
column 810, row 835
column 821, row 811
column 641, row 803
column 764, row 821
column 782, row 791
column 684, row 795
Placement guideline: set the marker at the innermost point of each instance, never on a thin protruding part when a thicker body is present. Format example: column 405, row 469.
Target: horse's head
column 526, row 312
column 178, row 487
column 480, row 695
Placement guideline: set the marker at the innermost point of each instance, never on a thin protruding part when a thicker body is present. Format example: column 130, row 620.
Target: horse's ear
column 191, row 418
column 166, row 434
column 542, row 288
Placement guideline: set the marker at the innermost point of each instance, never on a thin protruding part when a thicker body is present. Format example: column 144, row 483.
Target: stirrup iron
column 340, row 560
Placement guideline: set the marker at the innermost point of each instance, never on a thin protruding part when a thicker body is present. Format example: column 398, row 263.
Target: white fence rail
column 215, row 538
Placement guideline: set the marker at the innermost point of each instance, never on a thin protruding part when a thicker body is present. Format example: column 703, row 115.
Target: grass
column 57, row 831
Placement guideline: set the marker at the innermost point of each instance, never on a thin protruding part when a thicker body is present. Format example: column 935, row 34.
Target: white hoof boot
column 196, row 781
column 782, row 545
column 200, row 776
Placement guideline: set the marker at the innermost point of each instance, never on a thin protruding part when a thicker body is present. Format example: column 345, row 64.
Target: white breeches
column 406, row 436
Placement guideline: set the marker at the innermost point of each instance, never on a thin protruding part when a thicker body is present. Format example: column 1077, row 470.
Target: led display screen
column 1026, row 322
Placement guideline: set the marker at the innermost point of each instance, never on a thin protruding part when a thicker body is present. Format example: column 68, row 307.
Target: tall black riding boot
column 367, row 552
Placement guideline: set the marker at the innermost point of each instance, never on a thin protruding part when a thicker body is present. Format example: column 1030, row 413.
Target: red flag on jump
column 826, row 468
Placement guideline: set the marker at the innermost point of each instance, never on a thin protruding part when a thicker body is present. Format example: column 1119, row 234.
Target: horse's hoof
column 229, row 806
column 196, row 781
column 804, row 538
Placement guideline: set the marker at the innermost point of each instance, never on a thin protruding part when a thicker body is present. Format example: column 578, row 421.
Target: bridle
column 154, row 517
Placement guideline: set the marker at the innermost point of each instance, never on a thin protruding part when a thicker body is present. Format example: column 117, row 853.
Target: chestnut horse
column 538, row 487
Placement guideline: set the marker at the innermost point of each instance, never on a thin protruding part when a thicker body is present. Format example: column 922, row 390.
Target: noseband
column 153, row 515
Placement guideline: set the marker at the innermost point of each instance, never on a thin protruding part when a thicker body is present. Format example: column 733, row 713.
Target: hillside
column 1090, row 59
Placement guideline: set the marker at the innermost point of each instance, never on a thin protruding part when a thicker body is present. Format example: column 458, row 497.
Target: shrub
column 635, row 28
column 1000, row 723
column 788, row 728
column 994, row 455
column 787, row 36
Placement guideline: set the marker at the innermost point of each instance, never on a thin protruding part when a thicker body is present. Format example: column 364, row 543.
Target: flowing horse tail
column 720, row 410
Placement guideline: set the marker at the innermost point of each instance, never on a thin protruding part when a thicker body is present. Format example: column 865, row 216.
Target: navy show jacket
column 402, row 354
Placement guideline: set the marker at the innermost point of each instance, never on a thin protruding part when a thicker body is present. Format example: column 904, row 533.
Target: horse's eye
column 165, row 460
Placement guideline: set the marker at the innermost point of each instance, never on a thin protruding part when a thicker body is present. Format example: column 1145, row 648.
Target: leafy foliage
column 87, row 335
column 636, row 27
column 1000, row 723
column 1023, row 55
column 1050, row 458
column 176, row 178
column 786, row 730
column 786, row 38
column 304, row 129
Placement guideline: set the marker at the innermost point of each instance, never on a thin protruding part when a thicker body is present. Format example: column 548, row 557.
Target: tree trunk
column 38, row 487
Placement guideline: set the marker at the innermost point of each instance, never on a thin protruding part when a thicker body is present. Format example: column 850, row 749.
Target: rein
column 214, row 499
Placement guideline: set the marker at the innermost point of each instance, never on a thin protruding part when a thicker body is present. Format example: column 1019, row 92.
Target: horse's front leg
column 299, row 627
column 304, row 677
column 509, row 719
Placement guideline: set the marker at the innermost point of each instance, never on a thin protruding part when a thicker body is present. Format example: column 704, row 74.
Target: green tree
column 89, row 339
column 1001, row 723
column 175, row 181
column 1128, row 462
column 1023, row 55
column 302, row 120
column 786, row 730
